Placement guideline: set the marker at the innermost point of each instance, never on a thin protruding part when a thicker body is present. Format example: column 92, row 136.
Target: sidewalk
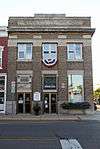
column 50, row 117
column 45, row 117
column 95, row 116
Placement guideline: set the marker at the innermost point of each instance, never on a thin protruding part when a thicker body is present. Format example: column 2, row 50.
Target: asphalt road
column 47, row 134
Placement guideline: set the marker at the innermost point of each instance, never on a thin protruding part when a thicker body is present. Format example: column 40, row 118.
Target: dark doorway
column 50, row 103
column 24, row 103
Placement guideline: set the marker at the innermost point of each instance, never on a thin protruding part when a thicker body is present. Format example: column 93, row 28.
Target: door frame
column 50, row 93
column 24, row 93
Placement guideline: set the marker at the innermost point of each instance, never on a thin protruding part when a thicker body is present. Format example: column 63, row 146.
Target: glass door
column 50, row 103
column 53, row 103
column 20, row 102
column 27, row 103
column 46, row 103
column 24, row 103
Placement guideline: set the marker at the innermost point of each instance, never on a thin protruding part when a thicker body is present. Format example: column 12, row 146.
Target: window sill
column 21, row 60
column 81, row 60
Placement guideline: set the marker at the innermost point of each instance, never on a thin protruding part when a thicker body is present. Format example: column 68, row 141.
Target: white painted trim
column 49, row 91
column 2, row 48
column 5, row 75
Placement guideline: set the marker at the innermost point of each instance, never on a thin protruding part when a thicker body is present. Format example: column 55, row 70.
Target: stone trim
column 62, row 36
column 13, row 42
column 39, row 41
column 23, row 90
column 28, row 72
column 13, row 37
column 37, row 36
column 49, row 72
column 75, row 72
column 87, row 36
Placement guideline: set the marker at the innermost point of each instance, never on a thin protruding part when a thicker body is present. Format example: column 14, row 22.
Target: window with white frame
column 1, row 50
column 75, row 88
column 74, row 51
column 24, row 51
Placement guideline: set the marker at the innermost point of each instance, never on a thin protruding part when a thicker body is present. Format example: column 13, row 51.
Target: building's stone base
column 11, row 107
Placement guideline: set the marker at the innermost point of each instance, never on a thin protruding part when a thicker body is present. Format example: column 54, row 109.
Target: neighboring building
column 3, row 67
column 49, row 61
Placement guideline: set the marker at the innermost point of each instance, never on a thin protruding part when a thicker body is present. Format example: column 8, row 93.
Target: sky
column 69, row 7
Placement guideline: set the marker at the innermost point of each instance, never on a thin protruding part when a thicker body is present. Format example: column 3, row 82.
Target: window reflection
column 75, row 88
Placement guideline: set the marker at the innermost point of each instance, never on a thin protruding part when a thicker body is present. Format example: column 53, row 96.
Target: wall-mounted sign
column 13, row 87
column 62, row 85
column 36, row 96
column 49, row 53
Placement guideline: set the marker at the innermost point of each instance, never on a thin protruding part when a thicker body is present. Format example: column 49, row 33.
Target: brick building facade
column 49, row 62
column 3, row 67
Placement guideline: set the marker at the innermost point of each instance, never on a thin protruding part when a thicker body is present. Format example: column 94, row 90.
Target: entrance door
column 53, row 103
column 24, row 103
column 50, row 103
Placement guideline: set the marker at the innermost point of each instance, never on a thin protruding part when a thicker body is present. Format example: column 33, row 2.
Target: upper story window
column 24, row 51
column 1, row 50
column 74, row 51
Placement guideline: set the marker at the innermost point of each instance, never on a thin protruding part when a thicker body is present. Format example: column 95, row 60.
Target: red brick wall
column 4, row 42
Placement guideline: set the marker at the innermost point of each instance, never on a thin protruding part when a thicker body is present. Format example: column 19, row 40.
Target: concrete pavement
column 52, row 117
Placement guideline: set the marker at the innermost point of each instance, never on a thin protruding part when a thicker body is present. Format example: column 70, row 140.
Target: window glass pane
column 21, row 51
column 78, row 51
column 71, row 48
column 0, row 57
column 28, row 51
column 1, row 97
column 71, row 55
column 0, row 53
column 49, row 82
column 74, row 51
column 75, row 88
column 25, row 51
column 0, row 61
column 2, row 83
column 21, row 47
column 21, row 55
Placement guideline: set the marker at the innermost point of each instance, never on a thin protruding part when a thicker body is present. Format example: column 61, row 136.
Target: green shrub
column 36, row 108
column 77, row 105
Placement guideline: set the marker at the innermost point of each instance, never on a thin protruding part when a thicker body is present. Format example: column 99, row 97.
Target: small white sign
column 37, row 96
column 13, row 87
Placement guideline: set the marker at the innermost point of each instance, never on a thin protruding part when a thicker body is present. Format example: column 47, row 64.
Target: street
column 48, row 134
